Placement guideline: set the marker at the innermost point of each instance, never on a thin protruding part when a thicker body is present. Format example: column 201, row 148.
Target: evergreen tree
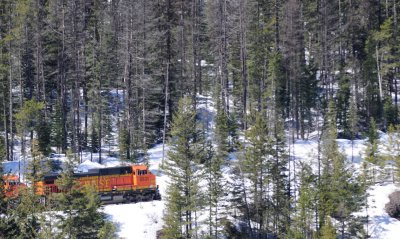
column 57, row 128
column 222, row 134
column 94, row 141
column 328, row 231
column 352, row 124
column 392, row 147
column 24, row 216
column 27, row 120
column 182, row 167
column 3, row 152
column 214, row 163
column 124, row 144
column 35, row 169
column 258, row 169
column 44, row 136
column 386, row 55
column 216, row 159
column 343, row 103
column 27, row 215
column 280, row 181
column 6, row 225
column 302, row 226
column 372, row 158
column 390, row 112
column 340, row 192
column 80, row 204
column 373, row 104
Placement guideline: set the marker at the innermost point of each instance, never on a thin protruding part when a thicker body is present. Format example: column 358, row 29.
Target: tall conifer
column 182, row 167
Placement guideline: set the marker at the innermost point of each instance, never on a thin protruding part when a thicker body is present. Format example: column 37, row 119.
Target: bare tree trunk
column 100, row 121
column 21, row 103
column 62, row 78
column 143, row 86
column 222, row 70
column 277, row 36
column 86, row 116
column 378, row 68
column 10, row 143
column 165, row 113
column 243, row 57
column 245, row 200
column 396, row 70
column 128, row 99
column 182, row 84
column 194, row 45
column 6, row 132
column 10, row 113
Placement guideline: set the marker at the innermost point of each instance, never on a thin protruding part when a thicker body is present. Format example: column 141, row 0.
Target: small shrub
column 393, row 206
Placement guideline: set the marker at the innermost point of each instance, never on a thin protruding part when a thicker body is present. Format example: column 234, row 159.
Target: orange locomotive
column 118, row 184
column 115, row 185
column 12, row 185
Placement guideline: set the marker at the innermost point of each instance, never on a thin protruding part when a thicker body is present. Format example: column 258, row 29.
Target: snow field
column 380, row 225
column 143, row 220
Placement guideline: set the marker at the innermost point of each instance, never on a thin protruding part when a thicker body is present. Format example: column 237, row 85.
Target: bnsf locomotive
column 115, row 185
column 12, row 185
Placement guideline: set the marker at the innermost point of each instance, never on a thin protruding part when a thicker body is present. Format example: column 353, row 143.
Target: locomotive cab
column 11, row 185
column 142, row 177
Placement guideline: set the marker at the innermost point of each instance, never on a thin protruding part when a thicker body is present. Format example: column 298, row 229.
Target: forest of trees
column 89, row 62
column 78, row 75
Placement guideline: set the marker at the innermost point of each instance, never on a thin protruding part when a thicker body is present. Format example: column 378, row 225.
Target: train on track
column 121, row 184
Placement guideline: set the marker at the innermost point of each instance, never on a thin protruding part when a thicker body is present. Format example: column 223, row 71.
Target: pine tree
column 327, row 230
column 279, row 176
column 124, row 144
column 222, row 131
column 65, row 199
column 22, row 218
column 330, row 155
column 5, row 226
column 352, row 124
column 343, row 102
column 108, row 231
column 392, row 147
column 173, row 215
column 340, row 192
column 390, row 112
column 214, row 163
column 27, row 215
column 94, row 140
column 27, row 120
column 258, row 169
column 182, row 167
column 35, row 169
column 44, row 136
column 372, row 158
column 3, row 152
column 302, row 226
column 80, row 204
column 56, row 128
column 215, row 191
column 386, row 55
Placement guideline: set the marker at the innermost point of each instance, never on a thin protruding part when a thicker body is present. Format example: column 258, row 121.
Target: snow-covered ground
column 380, row 225
column 143, row 220
column 140, row 220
